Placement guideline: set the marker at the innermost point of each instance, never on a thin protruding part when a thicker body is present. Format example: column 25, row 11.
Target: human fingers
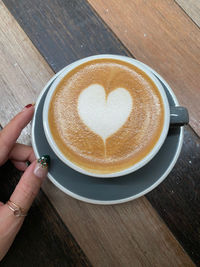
column 20, row 165
column 8, row 229
column 12, row 130
column 22, row 152
column 30, row 183
column 20, row 202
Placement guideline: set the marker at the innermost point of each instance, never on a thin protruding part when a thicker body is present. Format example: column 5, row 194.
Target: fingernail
column 28, row 106
column 41, row 167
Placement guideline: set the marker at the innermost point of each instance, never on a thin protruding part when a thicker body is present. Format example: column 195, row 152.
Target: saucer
column 112, row 190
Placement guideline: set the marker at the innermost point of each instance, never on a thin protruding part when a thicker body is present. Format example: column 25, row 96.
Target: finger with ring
column 17, row 210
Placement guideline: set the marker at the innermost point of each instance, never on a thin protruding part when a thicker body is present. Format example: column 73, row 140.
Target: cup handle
column 179, row 116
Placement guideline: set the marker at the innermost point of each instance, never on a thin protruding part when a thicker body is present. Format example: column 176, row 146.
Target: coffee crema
column 106, row 115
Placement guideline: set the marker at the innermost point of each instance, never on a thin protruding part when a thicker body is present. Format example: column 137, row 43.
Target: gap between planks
column 192, row 8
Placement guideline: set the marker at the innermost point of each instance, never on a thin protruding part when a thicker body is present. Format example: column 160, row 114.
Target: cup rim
column 139, row 164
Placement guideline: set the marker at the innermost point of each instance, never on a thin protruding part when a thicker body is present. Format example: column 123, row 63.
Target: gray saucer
column 108, row 190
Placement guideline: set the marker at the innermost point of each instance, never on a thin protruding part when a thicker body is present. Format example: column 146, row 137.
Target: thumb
column 30, row 183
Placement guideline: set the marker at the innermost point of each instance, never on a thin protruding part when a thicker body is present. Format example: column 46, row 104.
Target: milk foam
column 104, row 115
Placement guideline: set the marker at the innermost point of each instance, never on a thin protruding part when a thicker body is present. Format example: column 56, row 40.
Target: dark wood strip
column 43, row 240
column 64, row 31
column 177, row 199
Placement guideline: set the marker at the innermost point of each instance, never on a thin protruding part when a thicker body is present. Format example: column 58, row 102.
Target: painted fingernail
column 28, row 106
column 41, row 167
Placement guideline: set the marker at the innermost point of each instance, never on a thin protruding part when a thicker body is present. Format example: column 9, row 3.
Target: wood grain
column 131, row 234
column 43, row 240
column 161, row 35
column 64, row 30
column 21, row 76
column 177, row 199
column 192, row 8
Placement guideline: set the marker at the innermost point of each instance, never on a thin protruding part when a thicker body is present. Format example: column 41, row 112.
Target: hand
column 30, row 182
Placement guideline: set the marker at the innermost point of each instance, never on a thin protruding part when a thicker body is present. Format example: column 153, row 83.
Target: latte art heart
column 104, row 115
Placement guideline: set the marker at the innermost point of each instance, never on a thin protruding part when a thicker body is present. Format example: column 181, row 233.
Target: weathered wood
column 160, row 34
column 21, row 78
column 43, row 240
column 129, row 234
column 192, row 8
column 177, row 199
column 64, row 30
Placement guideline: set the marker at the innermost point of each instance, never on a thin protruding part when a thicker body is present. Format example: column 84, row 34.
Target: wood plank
column 59, row 44
column 43, row 240
column 21, row 79
column 177, row 199
column 129, row 234
column 161, row 35
column 192, row 8
column 125, row 235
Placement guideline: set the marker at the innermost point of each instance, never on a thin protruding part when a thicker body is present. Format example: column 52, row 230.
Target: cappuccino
column 106, row 115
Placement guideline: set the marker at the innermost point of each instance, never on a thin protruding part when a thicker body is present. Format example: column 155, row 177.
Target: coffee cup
column 108, row 115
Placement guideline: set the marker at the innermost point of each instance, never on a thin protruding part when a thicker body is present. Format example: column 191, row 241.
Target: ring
column 17, row 210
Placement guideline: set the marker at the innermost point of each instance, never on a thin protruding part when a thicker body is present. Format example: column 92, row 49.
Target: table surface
column 37, row 39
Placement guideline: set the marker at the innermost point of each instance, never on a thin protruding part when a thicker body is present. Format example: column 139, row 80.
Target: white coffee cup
column 175, row 115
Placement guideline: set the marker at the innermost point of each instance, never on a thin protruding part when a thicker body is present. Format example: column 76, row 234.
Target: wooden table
column 37, row 39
